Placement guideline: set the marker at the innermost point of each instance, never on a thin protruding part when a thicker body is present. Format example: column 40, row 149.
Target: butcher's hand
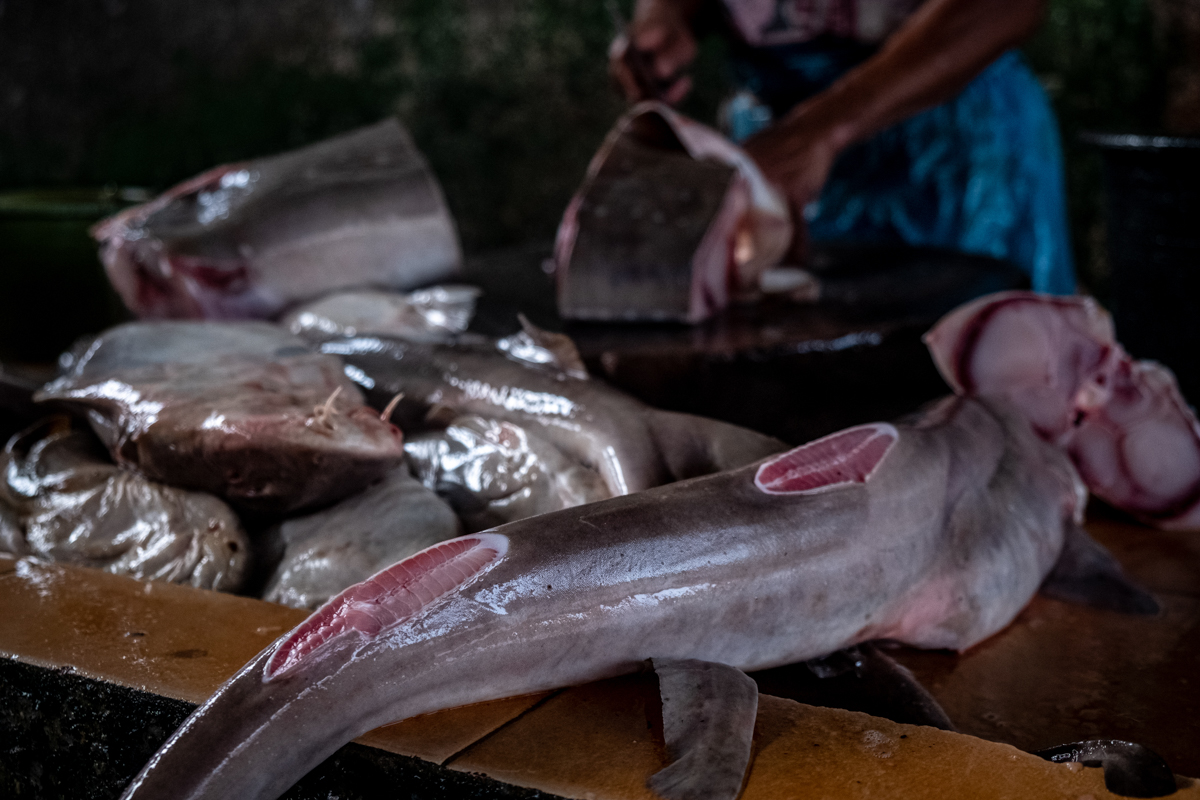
column 661, row 33
column 930, row 58
column 796, row 155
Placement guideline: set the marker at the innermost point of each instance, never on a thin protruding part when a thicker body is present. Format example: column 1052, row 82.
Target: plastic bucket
column 1153, row 230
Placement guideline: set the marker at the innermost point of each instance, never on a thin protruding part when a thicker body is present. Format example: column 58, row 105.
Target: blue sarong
column 981, row 173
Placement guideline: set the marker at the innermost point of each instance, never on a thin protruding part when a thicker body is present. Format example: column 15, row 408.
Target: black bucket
column 1153, row 230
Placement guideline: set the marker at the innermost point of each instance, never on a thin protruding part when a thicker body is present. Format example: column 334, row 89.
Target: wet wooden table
column 98, row 670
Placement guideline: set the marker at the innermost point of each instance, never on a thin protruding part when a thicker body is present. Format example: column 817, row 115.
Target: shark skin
column 247, row 240
column 518, row 380
column 933, row 532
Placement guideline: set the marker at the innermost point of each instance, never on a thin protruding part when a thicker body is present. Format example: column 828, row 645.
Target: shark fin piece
column 708, row 721
column 541, row 348
column 1086, row 573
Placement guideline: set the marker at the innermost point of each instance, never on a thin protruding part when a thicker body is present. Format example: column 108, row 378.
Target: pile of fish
column 536, row 381
column 694, row 545
column 672, row 222
column 359, row 436
column 193, row 423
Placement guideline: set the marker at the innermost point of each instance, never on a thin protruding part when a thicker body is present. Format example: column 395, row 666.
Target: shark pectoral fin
column 1087, row 573
column 708, row 715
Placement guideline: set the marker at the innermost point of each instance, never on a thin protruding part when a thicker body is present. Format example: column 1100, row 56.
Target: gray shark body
column 934, row 533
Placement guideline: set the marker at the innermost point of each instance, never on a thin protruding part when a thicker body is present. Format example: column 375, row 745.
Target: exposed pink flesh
column 840, row 459
column 714, row 267
column 1133, row 438
column 749, row 232
column 1140, row 450
column 390, row 596
column 1041, row 351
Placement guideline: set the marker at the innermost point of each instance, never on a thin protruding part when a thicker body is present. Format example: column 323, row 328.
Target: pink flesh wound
column 389, row 597
column 840, row 459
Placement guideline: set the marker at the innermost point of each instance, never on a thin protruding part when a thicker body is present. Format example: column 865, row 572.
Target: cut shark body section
column 1127, row 428
column 672, row 222
column 243, row 241
column 941, row 546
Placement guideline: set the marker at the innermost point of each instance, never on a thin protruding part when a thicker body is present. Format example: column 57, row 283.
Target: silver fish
column 62, row 500
column 325, row 552
column 242, row 410
column 537, row 381
column 244, row 241
column 934, row 533
column 494, row 472
column 435, row 314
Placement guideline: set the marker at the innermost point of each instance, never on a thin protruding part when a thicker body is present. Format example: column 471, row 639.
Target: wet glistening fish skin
column 242, row 410
column 632, row 445
column 934, row 532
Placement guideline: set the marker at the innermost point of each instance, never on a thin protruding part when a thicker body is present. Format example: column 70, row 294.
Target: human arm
column 932, row 56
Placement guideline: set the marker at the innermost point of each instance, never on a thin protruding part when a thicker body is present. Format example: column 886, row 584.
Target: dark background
column 508, row 98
